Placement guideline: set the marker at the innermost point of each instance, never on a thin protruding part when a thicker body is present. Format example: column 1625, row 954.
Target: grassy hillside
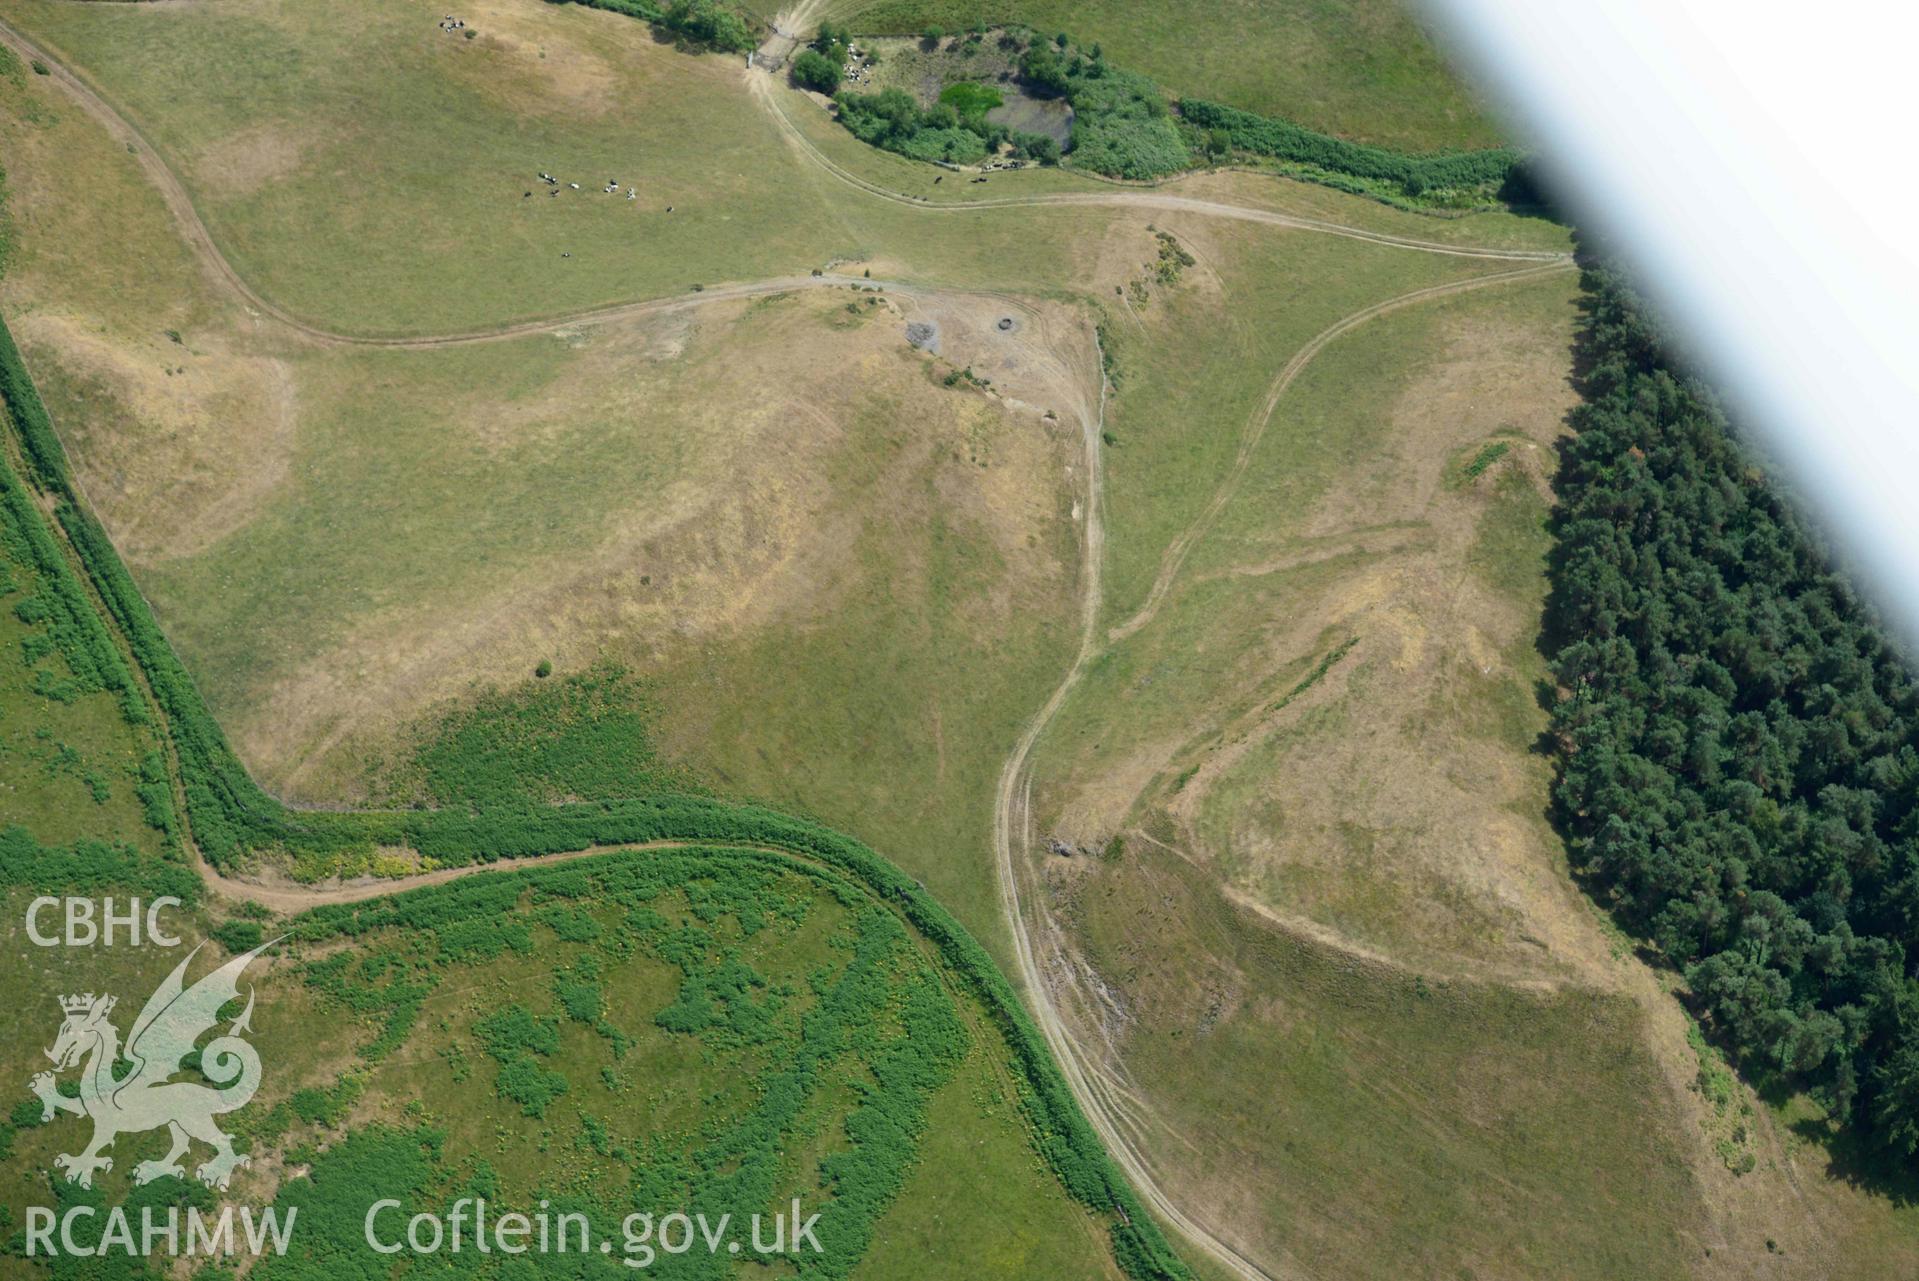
column 367, row 170
column 1425, row 1127
column 828, row 994
column 1309, row 819
column 1356, row 1016
column 438, row 139
column 342, row 540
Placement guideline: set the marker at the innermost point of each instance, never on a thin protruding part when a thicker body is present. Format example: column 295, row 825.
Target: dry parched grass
column 633, row 504
column 1351, row 1005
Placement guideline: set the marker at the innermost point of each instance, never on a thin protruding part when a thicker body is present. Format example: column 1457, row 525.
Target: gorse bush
column 1043, row 71
column 709, row 23
column 1739, row 741
column 893, row 120
column 813, row 70
column 1036, row 146
column 1121, row 126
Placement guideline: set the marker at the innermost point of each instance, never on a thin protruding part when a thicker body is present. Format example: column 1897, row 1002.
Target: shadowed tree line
column 1735, row 731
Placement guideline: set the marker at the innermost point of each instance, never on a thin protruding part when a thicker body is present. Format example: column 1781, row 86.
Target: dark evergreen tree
column 1736, row 734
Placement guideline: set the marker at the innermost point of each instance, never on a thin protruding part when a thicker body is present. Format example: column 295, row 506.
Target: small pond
column 1025, row 114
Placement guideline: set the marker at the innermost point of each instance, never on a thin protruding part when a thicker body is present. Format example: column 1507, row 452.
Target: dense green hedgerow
column 231, row 818
column 1121, row 126
column 1739, row 740
column 55, row 605
column 1416, row 175
column 42, row 447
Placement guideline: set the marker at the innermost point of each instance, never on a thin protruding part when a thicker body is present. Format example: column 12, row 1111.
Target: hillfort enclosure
column 935, row 638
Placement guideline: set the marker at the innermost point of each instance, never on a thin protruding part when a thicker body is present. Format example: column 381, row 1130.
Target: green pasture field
column 318, row 526
column 908, row 991
column 618, row 1033
column 548, row 429
column 366, row 170
column 438, row 234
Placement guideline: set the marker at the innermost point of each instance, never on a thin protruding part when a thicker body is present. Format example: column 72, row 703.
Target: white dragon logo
column 174, row 1017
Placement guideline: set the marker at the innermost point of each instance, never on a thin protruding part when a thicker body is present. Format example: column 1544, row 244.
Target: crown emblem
column 159, row 1045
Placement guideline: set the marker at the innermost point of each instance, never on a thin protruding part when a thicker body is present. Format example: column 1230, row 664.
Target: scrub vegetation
column 702, row 24
column 1449, row 178
column 1362, row 70
column 788, row 979
column 1123, row 125
column 582, row 737
column 720, row 594
column 234, row 822
column 712, row 1030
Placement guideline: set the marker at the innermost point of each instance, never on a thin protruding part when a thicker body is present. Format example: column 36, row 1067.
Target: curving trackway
column 1093, row 1082
column 1097, row 1089
column 201, row 242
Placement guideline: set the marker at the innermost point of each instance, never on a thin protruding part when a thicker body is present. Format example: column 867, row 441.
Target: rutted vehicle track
column 201, row 242
column 1061, row 1134
column 1103, row 1095
column 762, row 87
column 1105, row 1098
